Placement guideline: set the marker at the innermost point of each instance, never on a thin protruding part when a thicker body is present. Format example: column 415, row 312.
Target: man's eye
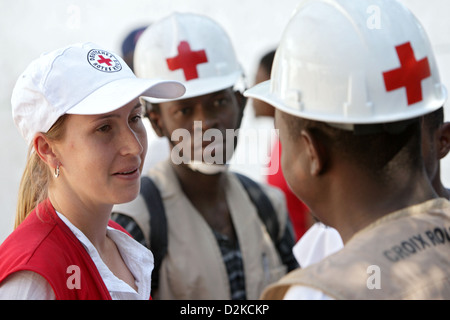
column 221, row 102
column 184, row 111
column 136, row 118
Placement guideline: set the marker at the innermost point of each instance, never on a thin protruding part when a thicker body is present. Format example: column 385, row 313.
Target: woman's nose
column 132, row 142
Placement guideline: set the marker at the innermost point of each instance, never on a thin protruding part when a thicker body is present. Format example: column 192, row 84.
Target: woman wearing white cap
column 78, row 109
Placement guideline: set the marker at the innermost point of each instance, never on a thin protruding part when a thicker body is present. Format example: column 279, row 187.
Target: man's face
column 295, row 159
column 206, row 120
column 289, row 151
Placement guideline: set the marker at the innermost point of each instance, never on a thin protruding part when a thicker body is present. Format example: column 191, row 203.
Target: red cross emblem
column 104, row 60
column 409, row 75
column 187, row 60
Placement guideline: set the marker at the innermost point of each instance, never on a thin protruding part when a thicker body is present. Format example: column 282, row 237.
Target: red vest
column 44, row 244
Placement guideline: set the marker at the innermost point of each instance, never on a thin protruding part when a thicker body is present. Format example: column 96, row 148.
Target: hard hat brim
column 262, row 91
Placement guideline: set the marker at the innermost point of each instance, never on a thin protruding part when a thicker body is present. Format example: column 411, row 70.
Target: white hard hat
column 189, row 48
column 353, row 62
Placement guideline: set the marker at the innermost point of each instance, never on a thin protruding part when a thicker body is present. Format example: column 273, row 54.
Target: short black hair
column 376, row 153
column 266, row 61
column 433, row 120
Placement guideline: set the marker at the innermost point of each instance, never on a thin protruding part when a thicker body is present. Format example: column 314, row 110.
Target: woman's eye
column 104, row 128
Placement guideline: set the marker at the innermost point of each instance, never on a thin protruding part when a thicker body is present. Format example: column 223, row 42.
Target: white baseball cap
column 80, row 79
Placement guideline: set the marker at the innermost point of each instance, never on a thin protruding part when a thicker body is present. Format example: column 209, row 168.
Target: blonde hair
column 33, row 188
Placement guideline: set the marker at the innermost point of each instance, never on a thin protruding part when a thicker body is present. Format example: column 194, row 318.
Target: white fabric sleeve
column 305, row 293
column 26, row 285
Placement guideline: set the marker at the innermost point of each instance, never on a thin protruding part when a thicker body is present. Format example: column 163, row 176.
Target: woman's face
column 101, row 156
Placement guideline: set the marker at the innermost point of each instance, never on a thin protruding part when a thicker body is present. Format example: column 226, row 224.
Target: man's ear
column 241, row 103
column 315, row 152
column 44, row 149
column 155, row 119
column 444, row 140
column 242, row 100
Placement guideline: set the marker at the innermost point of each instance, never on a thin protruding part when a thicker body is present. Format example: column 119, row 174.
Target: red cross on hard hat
column 189, row 48
column 409, row 75
column 187, row 60
column 333, row 66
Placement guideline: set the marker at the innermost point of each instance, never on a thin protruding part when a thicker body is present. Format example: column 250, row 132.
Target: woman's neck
column 91, row 219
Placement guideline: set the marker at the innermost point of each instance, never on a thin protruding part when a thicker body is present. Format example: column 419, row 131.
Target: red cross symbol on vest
column 187, row 60
column 104, row 60
column 409, row 75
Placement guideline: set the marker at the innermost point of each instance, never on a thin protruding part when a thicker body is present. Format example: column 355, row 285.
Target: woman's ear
column 315, row 151
column 45, row 151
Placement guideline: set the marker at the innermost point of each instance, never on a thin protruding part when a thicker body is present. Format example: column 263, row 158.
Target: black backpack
column 266, row 212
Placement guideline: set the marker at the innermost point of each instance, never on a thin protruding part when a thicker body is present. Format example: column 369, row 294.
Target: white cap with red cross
column 189, row 48
column 340, row 64
column 81, row 78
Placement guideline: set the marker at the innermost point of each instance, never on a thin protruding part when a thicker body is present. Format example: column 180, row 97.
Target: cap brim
column 199, row 87
column 116, row 94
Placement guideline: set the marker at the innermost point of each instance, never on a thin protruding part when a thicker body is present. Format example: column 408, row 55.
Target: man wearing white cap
column 217, row 246
column 349, row 93
column 78, row 109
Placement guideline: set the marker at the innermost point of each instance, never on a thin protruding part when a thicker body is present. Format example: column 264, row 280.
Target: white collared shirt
column 139, row 260
column 317, row 243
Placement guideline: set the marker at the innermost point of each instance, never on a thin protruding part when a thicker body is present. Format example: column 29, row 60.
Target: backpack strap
column 264, row 206
column 158, row 224
column 268, row 216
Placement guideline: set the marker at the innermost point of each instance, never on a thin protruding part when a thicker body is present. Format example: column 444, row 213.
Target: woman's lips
column 128, row 173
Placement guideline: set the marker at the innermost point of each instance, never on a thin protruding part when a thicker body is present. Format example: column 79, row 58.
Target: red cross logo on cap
column 409, row 75
column 104, row 60
column 187, row 60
